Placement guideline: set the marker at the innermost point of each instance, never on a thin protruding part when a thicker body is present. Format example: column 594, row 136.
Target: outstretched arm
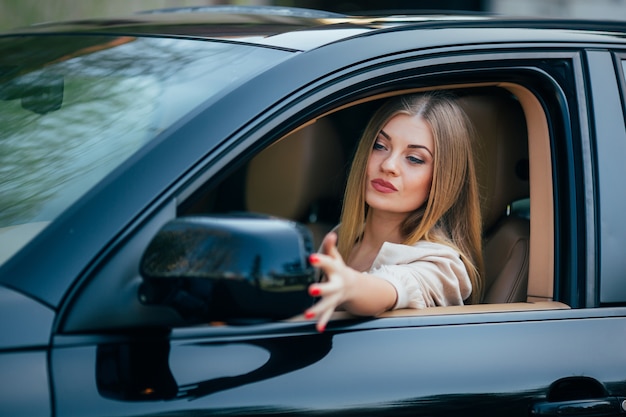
column 357, row 292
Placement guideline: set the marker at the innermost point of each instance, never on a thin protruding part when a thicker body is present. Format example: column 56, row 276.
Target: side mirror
column 229, row 267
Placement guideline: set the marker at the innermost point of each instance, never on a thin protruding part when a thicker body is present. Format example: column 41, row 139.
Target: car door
column 539, row 359
column 389, row 366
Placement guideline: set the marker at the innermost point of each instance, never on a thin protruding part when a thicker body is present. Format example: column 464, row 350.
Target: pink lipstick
column 383, row 186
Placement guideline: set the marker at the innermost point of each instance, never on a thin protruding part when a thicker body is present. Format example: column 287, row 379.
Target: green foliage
column 19, row 13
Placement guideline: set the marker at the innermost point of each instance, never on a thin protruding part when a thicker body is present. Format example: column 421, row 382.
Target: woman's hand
column 357, row 292
column 335, row 290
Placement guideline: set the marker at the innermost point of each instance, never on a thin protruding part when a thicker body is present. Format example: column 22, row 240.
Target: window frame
column 375, row 79
column 608, row 132
column 541, row 292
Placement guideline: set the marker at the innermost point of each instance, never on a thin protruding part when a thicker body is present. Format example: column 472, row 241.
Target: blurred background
column 18, row 13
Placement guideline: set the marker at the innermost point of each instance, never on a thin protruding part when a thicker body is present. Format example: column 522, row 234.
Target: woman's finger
column 323, row 320
column 323, row 308
column 327, row 263
column 326, row 288
column 330, row 240
column 330, row 246
column 330, row 291
column 334, row 253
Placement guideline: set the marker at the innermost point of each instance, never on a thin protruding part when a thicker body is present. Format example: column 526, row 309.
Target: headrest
column 501, row 152
column 292, row 175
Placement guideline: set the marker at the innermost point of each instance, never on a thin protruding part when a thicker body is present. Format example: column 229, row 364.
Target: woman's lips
column 383, row 186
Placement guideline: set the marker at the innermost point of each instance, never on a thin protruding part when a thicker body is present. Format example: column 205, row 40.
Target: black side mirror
column 229, row 267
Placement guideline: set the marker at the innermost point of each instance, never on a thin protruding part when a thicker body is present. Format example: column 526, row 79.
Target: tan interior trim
column 477, row 308
column 408, row 91
column 454, row 310
column 541, row 267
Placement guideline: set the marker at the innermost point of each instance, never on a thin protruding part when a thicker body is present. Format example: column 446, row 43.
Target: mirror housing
column 229, row 268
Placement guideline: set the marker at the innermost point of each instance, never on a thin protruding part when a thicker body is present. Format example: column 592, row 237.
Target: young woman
column 410, row 230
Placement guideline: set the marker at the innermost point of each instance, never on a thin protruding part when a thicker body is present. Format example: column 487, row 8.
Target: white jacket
column 424, row 275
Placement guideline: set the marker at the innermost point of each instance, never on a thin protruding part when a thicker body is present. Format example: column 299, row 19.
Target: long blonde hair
column 451, row 214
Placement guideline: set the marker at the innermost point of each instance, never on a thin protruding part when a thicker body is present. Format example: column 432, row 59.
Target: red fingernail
column 314, row 291
column 313, row 258
column 321, row 328
column 309, row 315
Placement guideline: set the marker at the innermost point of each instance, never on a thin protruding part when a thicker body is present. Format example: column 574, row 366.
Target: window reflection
column 72, row 109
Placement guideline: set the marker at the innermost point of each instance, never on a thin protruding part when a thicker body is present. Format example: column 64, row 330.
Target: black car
column 164, row 177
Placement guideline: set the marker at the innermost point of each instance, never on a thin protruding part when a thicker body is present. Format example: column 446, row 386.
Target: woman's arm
column 357, row 292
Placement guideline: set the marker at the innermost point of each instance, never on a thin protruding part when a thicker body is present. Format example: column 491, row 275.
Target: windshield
column 74, row 108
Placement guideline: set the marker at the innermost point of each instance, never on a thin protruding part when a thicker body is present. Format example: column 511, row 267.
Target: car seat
column 301, row 177
column 502, row 172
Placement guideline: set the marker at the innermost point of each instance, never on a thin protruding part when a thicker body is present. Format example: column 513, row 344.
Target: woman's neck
column 383, row 227
column 378, row 230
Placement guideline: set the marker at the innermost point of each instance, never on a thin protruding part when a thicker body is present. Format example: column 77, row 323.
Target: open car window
column 299, row 174
column 302, row 176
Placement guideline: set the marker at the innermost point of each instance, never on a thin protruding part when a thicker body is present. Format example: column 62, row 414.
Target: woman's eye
column 414, row 160
column 379, row 146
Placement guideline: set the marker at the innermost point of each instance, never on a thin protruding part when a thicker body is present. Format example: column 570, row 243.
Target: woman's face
column 400, row 167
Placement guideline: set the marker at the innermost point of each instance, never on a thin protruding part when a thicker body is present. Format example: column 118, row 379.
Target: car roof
column 298, row 28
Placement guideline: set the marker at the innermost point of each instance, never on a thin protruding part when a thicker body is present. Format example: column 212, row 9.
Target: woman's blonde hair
column 451, row 215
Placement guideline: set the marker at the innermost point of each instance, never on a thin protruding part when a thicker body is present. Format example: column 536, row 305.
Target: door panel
column 24, row 390
column 398, row 366
column 610, row 145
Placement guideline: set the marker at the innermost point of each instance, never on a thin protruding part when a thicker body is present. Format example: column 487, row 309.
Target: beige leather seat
column 300, row 178
column 502, row 170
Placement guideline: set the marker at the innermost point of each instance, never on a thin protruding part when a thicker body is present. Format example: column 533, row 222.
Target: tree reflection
column 187, row 251
column 118, row 93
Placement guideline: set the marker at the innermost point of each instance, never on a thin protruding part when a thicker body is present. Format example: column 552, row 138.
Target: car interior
column 302, row 176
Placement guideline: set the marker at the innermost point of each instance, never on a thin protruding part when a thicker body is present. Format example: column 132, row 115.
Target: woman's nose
column 389, row 164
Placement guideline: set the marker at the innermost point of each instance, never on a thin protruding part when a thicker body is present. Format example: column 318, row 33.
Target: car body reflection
column 141, row 371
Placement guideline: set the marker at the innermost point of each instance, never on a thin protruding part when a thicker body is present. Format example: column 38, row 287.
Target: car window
column 283, row 181
column 280, row 176
column 302, row 176
column 73, row 109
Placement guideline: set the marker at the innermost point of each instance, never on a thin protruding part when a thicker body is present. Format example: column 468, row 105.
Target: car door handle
column 608, row 406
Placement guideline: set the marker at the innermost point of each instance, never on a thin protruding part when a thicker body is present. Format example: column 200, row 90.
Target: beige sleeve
column 424, row 275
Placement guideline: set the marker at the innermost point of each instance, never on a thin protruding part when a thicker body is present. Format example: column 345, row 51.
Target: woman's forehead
column 408, row 130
